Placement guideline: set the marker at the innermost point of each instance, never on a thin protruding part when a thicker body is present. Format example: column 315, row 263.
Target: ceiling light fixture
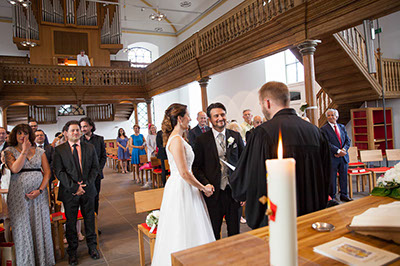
column 157, row 16
column 158, row 29
column 185, row 4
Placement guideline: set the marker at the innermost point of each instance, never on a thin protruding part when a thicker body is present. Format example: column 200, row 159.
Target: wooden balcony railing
column 324, row 103
column 240, row 20
column 63, row 75
column 43, row 114
column 101, row 112
column 391, row 75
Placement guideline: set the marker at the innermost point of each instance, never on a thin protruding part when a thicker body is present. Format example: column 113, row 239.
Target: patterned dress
column 30, row 219
column 137, row 141
column 123, row 155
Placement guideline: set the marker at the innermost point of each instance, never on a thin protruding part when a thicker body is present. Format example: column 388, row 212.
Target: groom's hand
column 209, row 190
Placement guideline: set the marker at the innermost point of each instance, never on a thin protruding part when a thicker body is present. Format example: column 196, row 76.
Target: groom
column 211, row 148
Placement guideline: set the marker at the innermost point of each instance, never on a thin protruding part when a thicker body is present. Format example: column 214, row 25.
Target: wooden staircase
column 123, row 111
column 17, row 115
column 341, row 71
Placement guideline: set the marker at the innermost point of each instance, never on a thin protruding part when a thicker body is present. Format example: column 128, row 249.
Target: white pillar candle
column 281, row 179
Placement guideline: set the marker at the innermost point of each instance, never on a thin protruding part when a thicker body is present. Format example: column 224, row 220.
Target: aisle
column 118, row 223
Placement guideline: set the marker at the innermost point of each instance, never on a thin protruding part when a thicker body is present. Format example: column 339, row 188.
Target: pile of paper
column 382, row 222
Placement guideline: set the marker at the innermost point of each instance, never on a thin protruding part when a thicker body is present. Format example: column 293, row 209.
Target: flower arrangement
column 389, row 184
column 152, row 220
column 303, row 108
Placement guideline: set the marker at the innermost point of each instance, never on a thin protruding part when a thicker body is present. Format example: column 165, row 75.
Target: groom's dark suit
column 67, row 172
column 207, row 169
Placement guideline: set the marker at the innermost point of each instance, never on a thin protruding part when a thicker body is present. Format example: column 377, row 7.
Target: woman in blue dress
column 137, row 142
column 123, row 150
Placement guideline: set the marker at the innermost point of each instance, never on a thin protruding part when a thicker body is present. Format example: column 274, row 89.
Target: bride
column 184, row 220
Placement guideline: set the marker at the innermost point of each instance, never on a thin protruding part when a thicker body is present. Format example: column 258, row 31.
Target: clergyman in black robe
column 301, row 140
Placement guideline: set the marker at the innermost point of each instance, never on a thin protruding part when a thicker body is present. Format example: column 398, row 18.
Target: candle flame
column 280, row 147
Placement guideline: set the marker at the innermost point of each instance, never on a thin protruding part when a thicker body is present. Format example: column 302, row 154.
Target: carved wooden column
column 136, row 114
column 148, row 103
column 203, row 85
column 307, row 50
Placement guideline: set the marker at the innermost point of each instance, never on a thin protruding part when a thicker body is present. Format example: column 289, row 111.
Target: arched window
column 70, row 109
column 139, row 56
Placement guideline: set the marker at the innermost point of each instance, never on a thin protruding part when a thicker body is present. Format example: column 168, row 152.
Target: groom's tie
column 224, row 168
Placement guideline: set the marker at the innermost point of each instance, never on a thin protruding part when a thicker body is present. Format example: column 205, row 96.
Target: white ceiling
column 135, row 14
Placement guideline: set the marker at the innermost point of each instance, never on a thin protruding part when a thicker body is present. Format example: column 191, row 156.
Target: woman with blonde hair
column 183, row 207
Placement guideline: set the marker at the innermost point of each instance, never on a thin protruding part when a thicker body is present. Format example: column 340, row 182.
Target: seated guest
column 257, row 120
column 28, row 205
column 301, row 140
column 123, row 150
column 199, row 129
column 247, row 124
column 339, row 143
column 138, row 143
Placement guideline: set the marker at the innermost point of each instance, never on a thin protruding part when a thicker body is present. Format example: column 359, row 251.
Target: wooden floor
column 118, row 223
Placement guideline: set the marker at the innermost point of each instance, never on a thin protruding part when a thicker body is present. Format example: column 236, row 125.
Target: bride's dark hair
column 171, row 119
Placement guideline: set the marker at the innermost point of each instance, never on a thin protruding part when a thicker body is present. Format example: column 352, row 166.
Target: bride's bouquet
column 389, row 184
column 152, row 220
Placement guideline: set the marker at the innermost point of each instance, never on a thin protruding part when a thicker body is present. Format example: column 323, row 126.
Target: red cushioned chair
column 373, row 156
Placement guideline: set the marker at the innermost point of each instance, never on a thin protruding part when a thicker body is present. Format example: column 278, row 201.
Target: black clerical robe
column 302, row 141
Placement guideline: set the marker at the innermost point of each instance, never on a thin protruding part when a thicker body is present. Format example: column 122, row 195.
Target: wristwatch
column 40, row 190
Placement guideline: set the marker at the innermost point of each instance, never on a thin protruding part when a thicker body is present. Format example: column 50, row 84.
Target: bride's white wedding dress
column 184, row 220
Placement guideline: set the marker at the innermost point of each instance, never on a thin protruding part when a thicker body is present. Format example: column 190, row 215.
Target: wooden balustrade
column 43, row 114
column 240, row 20
column 101, row 112
column 391, row 75
column 324, row 103
column 63, row 75
column 356, row 41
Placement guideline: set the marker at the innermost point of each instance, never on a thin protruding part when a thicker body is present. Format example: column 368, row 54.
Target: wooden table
column 251, row 248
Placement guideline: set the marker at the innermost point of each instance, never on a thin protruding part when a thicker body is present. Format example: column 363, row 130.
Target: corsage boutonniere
column 231, row 140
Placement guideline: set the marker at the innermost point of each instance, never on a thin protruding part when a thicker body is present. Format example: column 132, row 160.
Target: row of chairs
column 360, row 168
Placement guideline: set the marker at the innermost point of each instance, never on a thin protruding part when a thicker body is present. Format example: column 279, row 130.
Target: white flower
column 152, row 218
column 231, row 140
column 392, row 175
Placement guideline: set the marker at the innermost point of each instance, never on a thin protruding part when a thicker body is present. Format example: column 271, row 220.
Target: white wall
column 7, row 47
column 238, row 89
column 390, row 36
column 219, row 11
column 164, row 43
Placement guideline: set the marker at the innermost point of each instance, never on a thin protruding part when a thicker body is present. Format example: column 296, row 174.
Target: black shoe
column 345, row 198
column 99, row 231
column 94, row 254
column 72, row 260
column 332, row 203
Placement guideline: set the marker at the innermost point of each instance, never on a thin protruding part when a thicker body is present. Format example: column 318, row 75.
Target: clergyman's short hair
column 277, row 91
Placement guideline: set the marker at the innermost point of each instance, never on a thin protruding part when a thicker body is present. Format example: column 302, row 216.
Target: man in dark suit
column 339, row 143
column 88, row 128
column 34, row 126
column 3, row 136
column 77, row 167
column 199, row 129
column 49, row 150
column 212, row 148
column 162, row 155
